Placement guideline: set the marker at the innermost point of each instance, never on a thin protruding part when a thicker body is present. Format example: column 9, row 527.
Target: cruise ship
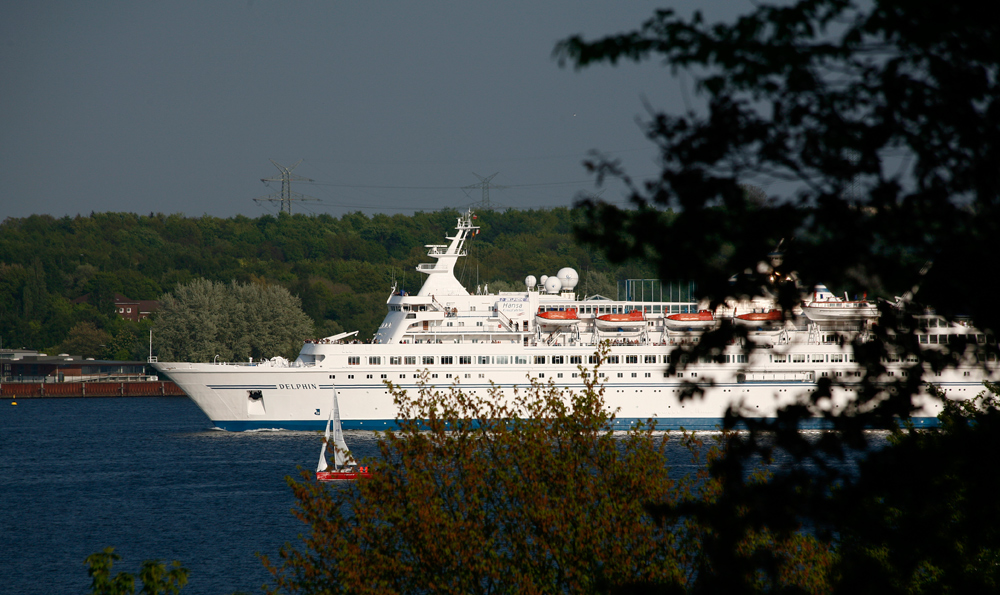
column 478, row 340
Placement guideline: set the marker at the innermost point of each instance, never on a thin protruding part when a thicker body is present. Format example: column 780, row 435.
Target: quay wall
column 27, row 390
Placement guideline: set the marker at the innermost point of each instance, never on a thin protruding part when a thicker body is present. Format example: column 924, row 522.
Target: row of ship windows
column 939, row 322
column 943, row 339
column 540, row 375
column 801, row 358
column 422, row 308
column 626, row 308
column 447, row 360
column 619, row 375
column 408, row 308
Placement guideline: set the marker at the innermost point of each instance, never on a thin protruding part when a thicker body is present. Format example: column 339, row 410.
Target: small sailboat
column 344, row 465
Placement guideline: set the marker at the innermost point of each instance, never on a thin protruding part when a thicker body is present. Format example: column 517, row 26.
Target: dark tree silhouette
column 883, row 119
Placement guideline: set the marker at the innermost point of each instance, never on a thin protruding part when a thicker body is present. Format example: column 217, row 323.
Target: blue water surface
column 150, row 477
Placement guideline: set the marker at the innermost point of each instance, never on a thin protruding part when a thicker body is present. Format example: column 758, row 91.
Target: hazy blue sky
column 177, row 107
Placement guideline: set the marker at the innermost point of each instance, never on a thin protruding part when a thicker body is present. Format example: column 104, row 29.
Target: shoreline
column 44, row 390
column 27, row 397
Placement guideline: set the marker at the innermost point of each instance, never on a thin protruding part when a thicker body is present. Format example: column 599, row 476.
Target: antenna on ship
column 484, row 183
column 286, row 196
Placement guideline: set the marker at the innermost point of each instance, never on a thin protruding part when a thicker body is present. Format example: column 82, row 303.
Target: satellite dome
column 543, row 279
column 569, row 277
column 530, row 281
column 553, row 285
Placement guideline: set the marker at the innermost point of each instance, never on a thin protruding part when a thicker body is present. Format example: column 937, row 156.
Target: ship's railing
column 442, row 250
column 594, row 308
column 267, row 364
column 431, row 339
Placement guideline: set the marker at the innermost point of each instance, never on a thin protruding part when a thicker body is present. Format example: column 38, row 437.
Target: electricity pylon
column 484, row 183
column 286, row 196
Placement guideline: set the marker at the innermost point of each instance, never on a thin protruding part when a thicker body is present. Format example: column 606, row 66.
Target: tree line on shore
column 337, row 270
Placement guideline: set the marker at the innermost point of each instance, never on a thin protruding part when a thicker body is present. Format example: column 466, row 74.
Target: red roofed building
column 134, row 310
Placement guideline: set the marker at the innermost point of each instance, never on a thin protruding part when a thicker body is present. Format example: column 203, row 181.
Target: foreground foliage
column 157, row 577
column 922, row 517
column 878, row 127
column 534, row 495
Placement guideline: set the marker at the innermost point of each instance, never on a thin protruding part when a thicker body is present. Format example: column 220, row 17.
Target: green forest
column 341, row 269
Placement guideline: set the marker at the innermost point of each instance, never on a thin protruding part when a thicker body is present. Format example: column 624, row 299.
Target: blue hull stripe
column 673, row 423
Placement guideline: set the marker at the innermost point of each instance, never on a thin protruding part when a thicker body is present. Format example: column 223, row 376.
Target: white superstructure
column 478, row 340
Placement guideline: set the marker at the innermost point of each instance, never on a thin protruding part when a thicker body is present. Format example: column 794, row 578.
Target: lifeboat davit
column 557, row 318
column 631, row 320
column 693, row 320
column 765, row 318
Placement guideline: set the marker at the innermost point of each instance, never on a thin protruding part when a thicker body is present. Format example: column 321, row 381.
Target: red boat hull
column 633, row 316
column 569, row 314
column 769, row 316
column 341, row 475
column 690, row 320
column 700, row 316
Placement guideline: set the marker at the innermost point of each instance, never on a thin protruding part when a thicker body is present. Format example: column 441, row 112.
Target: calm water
column 150, row 477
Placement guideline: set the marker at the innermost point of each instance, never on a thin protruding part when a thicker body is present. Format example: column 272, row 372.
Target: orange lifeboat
column 764, row 318
column 632, row 320
column 693, row 320
column 557, row 317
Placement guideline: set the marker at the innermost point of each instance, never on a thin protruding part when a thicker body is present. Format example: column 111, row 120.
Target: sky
column 180, row 107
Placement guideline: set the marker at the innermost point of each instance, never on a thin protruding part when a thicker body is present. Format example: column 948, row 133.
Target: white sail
column 342, row 455
column 326, row 439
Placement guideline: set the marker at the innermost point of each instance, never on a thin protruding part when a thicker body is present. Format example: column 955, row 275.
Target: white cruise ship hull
column 298, row 398
column 477, row 341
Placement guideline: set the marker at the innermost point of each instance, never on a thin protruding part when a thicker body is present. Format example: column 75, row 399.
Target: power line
column 374, row 187
column 286, row 196
column 370, row 207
